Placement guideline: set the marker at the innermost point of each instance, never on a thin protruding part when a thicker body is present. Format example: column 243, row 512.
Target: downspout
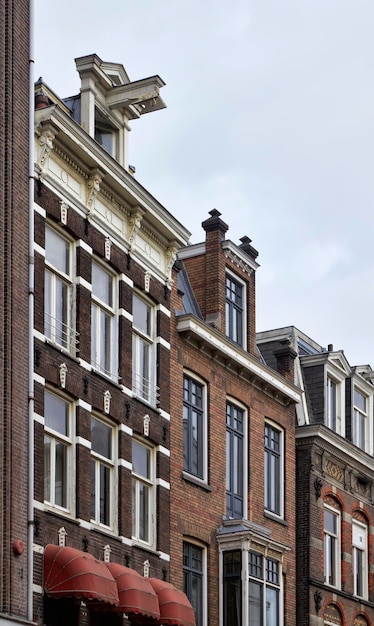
column 30, row 503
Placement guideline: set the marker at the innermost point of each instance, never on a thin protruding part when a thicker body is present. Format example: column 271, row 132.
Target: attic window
column 116, row 79
column 105, row 133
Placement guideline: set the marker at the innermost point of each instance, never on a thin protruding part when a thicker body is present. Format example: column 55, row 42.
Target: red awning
column 72, row 573
column 136, row 594
column 175, row 608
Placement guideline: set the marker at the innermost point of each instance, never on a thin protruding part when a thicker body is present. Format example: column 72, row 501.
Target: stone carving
column 93, row 188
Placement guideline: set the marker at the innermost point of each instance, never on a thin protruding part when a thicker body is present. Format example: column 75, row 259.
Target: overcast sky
column 270, row 120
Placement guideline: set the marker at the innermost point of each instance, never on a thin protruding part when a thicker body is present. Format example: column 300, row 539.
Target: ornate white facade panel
column 65, row 177
column 148, row 249
column 110, row 217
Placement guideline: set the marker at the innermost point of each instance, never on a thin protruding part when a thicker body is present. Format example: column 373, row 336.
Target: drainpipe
column 30, row 504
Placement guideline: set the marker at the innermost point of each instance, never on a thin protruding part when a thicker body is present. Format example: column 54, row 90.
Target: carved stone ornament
column 46, row 145
column 146, row 421
column 318, row 487
column 63, row 369
column 147, row 281
column 64, row 212
column 62, row 537
column 134, row 223
column 108, row 247
column 107, row 399
column 171, row 255
column 146, row 568
column 107, row 551
column 93, row 188
column 317, row 601
column 334, row 471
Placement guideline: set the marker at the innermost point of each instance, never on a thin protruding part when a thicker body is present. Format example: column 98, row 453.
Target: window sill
column 196, row 481
column 144, row 546
column 275, row 518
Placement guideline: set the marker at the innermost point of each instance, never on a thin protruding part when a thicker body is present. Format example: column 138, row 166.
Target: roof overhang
column 217, row 346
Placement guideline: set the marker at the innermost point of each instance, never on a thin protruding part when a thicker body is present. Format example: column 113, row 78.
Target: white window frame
column 66, row 440
column 280, row 479
column 98, row 307
column 327, row 535
column 144, row 387
column 339, row 401
column 150, row 482
column 204, row 589
column 360, row 543
column 241, row 407
column 368, row 440
column 111, row 465
column 204, row 428
column 243, row 285
column 60, row 332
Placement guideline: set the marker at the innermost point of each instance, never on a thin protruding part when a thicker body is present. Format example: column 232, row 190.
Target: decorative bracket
column 64, row 212
column 93, row 188
column 62, row 537
column 134, row 222
column 147, row 567
column 107, row 551
column 171, row 254
column 146, row 421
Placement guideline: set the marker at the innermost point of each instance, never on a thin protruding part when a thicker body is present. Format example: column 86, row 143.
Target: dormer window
column 334, row 404
column 105, row 134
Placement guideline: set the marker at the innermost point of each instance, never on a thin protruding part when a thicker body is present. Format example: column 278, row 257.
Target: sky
column 269, row 120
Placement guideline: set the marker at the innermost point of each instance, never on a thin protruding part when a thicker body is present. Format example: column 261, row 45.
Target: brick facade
column 14, row 246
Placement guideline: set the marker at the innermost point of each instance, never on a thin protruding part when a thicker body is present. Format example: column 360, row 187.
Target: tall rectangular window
column 57, row 450
column 58, row 300
column 143, row 493
column 104, row 351
column 143, row 351
column 232, row 588
column 235, row 308
column 273, row 470
column 235, row 478
column 360, row 424
column 360, row 559
column 331, row 547
column 193, row 576
column 193, row 427
column 102, row 472
column 263, row 590
column 331, row 403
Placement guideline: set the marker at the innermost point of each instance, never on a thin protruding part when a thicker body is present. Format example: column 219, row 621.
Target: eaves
column 250, row 370
column 83, row 149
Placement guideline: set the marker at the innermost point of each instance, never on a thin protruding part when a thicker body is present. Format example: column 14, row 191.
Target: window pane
column 140, row 459
column 101, row 284
column 56, row 413
column 330, row 522
column 271, row 607
column 101, row 438
column 143, row 512
column 56, row 250
column 104, row 494
column 93, row 490
column 61, row 474
column 47, row 468
column 360, row 401
column 255, row 603
column 232, row 597
column 141, row 315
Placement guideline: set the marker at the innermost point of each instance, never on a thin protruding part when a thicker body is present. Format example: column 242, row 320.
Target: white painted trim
column 162, row 483
column 125, row 429
column 164, row 414
column 82, row 282
column 39, row 249
column 39, row 379
column 127, row 280
column 163, row 309
column 163, row 342
column 84, row 405
column 81, row 441
column 125, row 464
column 126, row 315
column 82, row 244
column 163, row 450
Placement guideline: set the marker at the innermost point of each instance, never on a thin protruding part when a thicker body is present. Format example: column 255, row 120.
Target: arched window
column 360, row 620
